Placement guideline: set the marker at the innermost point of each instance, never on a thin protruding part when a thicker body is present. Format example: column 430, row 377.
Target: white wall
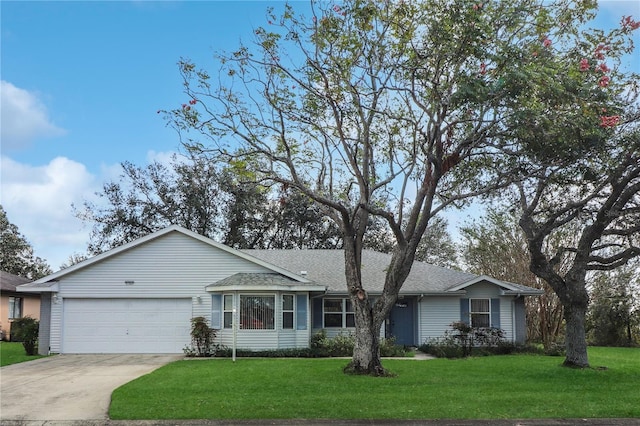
column 172, row 266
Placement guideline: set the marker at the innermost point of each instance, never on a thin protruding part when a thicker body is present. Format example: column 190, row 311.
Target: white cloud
column 38, row 201
column 163, row 157
column 24, row 118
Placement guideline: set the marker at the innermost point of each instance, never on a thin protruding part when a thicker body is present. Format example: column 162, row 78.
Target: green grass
column 497, row 387
column 13, row 353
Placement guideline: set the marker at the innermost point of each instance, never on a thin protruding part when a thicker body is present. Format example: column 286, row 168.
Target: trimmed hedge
column 321, row 347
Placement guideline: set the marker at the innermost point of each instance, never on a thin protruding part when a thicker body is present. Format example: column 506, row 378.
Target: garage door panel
column 126, row 325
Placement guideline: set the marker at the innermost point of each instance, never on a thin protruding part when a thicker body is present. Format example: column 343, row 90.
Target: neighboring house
column 140, row 297
column 14, row 305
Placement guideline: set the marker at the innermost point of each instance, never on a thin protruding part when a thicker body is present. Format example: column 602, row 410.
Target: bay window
column 257, row 312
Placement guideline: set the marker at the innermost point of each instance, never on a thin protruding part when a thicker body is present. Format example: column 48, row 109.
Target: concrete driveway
column 69, row 387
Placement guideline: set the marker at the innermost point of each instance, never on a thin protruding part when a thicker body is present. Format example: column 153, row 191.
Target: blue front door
column 401, row 321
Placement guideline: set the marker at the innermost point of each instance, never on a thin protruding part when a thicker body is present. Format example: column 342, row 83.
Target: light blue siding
column 301, row 312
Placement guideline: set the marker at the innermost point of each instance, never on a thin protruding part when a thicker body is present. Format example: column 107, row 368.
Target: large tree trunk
column 368, row 316
column 366, row 353
column 575, row 300
column 576, row 342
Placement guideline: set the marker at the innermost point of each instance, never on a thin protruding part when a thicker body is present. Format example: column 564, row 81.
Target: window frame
column 13, row 305
column 227, row 311
column 288, row 312
column 477, row 312
column 347, row 316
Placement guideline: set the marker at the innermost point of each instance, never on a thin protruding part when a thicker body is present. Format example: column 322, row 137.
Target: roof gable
column 508, row 288
column 154, row 236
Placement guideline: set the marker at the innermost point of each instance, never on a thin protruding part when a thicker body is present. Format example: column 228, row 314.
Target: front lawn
column 514, row 386
column 13, row 353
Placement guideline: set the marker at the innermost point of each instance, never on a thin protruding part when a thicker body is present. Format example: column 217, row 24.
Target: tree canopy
column 16, row 254
column 397, row 110
column 205, row 197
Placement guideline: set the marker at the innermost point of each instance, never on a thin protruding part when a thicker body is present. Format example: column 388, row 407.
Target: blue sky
column 81, row 86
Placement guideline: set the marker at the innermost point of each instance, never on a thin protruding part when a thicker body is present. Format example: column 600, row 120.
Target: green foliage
column 614, row 313
column 16, row 254
column 495, row 245
column 364, row 102
column 209, row 197
column 202, row 338
column 493, row 387
column 340, row 345
column 321, row 347
column 14, row 353
column 226, row 352
column 26, row 330
column 463, row 341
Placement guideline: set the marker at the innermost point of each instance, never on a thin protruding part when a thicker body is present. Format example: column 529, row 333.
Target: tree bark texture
column 366, row 352
column 576, row 343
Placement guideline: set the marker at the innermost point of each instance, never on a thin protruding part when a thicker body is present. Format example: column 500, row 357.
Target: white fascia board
column 259, row 288
column 29, row 288
column 533, row 292
column 488, row 279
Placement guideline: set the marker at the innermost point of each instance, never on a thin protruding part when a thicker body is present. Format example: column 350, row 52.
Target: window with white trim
column 228, row 311
column 338, row 313
column 480, row 312
column 287, row 311
column 15, row 307
column 257, row 312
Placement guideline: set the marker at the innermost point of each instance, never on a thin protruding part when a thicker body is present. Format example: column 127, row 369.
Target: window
column 338, row 313
column 15, row 307
column 257, row 312
column 287, row 311
column 480, row 312
column 228, row 311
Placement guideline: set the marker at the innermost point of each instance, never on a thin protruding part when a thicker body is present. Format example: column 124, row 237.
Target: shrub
column 202, row 337
column 342, row 346
column 556, row 349
column 321, row 346
column 25, row 330
column 226, row 352
column 463, row 340
column 388, row 347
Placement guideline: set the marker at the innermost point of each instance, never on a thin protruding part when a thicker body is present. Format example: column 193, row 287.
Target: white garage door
column 126, row 325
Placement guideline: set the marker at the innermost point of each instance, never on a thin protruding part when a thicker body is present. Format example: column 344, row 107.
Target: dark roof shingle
column 8, row 282
column 326, row 267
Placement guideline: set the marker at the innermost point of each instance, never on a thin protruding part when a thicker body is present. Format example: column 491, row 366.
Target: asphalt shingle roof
column 326, row 267
column 8, row 282
column 253, row 279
